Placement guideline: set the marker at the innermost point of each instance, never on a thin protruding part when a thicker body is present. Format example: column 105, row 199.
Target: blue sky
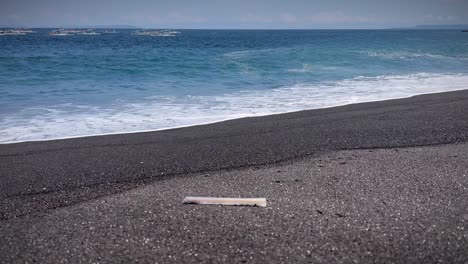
column 234, row 14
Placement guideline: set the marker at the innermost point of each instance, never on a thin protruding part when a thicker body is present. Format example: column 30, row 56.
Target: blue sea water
column 67, row 86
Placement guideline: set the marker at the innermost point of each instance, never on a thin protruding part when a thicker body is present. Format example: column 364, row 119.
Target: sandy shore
column 375, row 182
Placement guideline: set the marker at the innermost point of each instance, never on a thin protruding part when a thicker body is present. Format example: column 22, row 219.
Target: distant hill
column 76, row 26
column 104, row 26
column 458, row 26
column 12, row 26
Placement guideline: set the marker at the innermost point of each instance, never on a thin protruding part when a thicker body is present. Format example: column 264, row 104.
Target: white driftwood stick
column 225, row 201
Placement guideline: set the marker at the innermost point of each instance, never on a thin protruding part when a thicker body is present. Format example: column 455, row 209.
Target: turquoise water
column 57, row 87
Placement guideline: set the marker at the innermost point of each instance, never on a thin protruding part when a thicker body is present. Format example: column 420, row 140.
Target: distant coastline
column 433, row 27
column 417, row 27
column 75, row 26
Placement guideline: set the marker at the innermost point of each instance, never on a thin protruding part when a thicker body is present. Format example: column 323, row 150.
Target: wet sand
column 375, row 182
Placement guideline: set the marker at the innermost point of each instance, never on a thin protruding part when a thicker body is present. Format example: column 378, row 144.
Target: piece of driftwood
column 225, row 201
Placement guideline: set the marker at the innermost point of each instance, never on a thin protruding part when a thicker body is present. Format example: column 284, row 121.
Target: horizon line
column 136, row 27
column 123, row 26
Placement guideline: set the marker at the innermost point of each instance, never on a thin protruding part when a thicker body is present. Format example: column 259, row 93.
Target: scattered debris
column 225, row 201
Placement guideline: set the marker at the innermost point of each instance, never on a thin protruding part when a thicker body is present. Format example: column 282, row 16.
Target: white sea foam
column 242, row 54
column 154, row 113
column 305, row 68
column 406, row 55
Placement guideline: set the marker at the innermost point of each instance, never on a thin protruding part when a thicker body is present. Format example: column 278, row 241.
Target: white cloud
column 288, row 18
column 177, row 17
column 430, row 18
column 252, row 18
column 322, row 18
column 157, row 20
column 335, row 17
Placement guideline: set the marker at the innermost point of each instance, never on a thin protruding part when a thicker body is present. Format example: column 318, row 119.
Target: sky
column 234, row 14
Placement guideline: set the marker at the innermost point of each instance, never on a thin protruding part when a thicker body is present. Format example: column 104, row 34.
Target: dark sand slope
column 385, row 205
column 404, row 205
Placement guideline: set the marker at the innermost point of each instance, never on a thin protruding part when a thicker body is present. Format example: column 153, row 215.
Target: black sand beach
column 374, row 182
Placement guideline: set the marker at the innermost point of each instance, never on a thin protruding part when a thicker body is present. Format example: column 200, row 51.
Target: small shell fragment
column 225, row 201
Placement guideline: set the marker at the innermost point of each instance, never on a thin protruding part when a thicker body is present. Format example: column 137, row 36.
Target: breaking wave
column 163, row 112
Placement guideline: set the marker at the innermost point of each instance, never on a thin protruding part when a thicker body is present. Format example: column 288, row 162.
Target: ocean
column 69, row 86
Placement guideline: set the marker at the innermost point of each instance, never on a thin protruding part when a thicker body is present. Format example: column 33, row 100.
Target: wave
column 305, row 68
column 406, row 55
column 244, row 54
column 163, row 112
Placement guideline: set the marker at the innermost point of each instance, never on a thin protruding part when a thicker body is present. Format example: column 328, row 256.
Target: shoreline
column 219, row 121
column 55, row 165
column 388, row 178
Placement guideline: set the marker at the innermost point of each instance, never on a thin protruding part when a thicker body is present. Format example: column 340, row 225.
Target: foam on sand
column 163, row 112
